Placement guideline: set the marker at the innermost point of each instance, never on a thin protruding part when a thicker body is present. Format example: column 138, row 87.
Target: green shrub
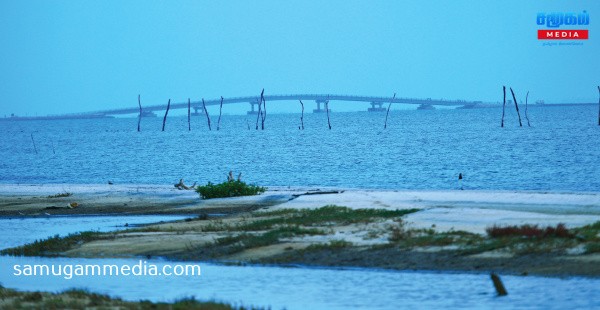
column 228, row 189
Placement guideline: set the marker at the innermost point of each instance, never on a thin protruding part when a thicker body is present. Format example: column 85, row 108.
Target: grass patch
column 53, row 246
column 327, row 215
column 83, row 299
column 245, row 241
column 229, row 189
column 60, row 195
column 331, row 245
column 588, row 232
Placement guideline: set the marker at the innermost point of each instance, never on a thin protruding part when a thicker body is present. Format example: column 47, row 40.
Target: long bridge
column 376, row 103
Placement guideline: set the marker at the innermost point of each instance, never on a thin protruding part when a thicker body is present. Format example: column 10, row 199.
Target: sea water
column 418, row 150
column 289, row 288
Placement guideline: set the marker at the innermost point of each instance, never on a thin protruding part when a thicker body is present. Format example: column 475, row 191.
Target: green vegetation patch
column 83, row 299
column 327, row 215
column 241, row 242
column 333, row 245
column 60, row 195
column 229, row 189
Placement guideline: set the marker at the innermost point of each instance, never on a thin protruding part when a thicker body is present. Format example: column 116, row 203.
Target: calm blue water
column 419, row 150
column 294, row 288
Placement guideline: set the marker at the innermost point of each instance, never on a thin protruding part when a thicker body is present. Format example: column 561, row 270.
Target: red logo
column 548, row 34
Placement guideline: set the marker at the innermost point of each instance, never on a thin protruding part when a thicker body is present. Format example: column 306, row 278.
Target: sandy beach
column 430, row 215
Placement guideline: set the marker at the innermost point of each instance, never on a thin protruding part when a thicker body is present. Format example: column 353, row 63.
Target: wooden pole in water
column 516, row 106
column 52, row 143
column 220, row 111
column 166, row 113
column 33, row 141
column 503, row 105
column 258, row 113
column 264, row 114
column 598, row 105
column 302, row 116
column 500, row 289
column 527, row 116
column 327, row 109
column 259, row 108
column 206, row 113
column 388, row 111
column 139, row 116
column 189, row 114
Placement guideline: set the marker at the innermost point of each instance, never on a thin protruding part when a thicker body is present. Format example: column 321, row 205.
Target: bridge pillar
column 196, row 113
column 379, row 107
column 148, row 114
column 318, row 109
column 426, row 106
column 467, row 106
column 252, row 110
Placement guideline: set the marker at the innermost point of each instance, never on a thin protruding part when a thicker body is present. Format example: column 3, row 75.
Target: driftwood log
column 182, row 186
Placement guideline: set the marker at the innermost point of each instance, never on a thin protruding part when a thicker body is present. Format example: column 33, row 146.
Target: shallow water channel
column 278, row 287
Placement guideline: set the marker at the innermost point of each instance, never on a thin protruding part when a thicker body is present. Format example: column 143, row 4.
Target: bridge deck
column 254, row 99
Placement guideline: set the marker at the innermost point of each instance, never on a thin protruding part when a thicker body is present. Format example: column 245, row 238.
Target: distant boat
column 540, row 102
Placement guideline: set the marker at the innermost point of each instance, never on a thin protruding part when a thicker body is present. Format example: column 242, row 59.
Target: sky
column 76, row 56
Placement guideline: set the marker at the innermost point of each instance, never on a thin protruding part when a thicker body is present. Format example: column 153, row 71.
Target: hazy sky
column 69, row 56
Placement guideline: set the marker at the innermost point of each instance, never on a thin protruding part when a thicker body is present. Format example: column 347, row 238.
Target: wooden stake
column 139, row 116
column 327, row 108
column 220, row 110
column 503, row 105
column 302, row 116
column 248, row 124
column 166, row 113
column 516, row 106
column 189, row 114
column 500, row 289
column 33, row 141
column 264, row 114
column 527, row 116
column 52, row 143
column 259, row 108
column 388, row 111
column 206, row 113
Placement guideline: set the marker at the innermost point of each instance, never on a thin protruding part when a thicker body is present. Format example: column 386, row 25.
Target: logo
column 555, row 20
